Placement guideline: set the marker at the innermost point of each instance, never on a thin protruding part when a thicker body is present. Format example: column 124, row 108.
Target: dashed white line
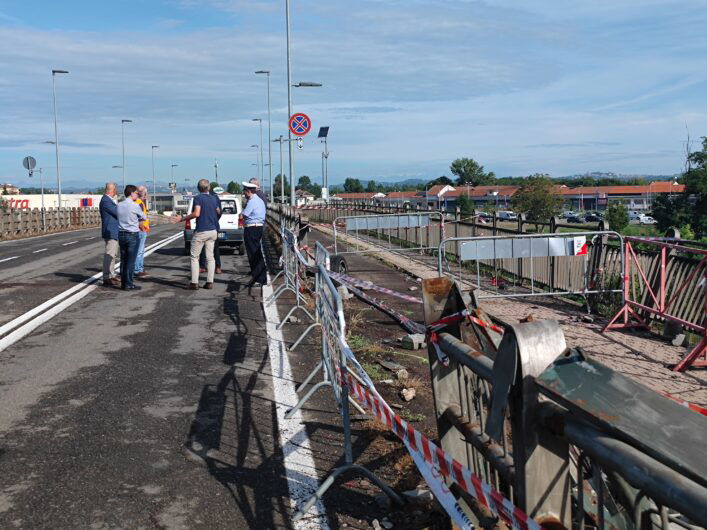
column 300, row 470
column 40, row 250
column 69, row 243
column 8, row 259
column 90, row 238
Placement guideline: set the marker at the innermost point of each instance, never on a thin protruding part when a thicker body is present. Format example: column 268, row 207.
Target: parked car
column 230, row 225
column 567, row 214
column 647, row 220
column 576, row 219
column 634, row 215
column 505, row 215
column 593, row 218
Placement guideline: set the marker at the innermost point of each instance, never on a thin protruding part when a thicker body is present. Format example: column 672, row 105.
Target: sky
column 408, row 86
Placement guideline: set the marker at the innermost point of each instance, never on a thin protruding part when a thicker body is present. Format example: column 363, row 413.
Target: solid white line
column 90, row 238
column 8, row 259
column 28, row 323
column 40, row 250
column 69, row 243
column 301, row 473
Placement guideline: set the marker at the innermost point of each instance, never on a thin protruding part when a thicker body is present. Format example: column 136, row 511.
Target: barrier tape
column 435, row 327
column 691, row 406
column 436, row 459
column 365, row 284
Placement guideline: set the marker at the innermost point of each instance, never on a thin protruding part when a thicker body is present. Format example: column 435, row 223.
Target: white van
column 634, row 215
column 230, row 225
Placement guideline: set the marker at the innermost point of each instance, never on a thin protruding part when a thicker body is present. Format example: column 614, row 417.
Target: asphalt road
column 35, row 269
column 137, row 409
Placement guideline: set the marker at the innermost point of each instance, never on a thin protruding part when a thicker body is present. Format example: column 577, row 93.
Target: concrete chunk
column 414, row 341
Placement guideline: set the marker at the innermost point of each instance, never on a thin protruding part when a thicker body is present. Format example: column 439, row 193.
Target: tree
column 695, row 180
column 617, row 215
column 304, row 183
column 372, row 186
column 234, row 187
column 468, row 171
column 537, row 198
column 277, row 184
column 670, row 211
column 466, row 205
column 352, row 185
column 213, row 185
column 444, row 181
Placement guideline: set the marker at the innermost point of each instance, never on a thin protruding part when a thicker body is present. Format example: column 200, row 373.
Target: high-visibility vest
column 144, row 224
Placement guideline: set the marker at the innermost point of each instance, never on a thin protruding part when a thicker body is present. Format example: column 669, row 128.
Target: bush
column 617, row 215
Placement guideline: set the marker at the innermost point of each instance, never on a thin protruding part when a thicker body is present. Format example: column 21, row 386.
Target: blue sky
column 522, row 87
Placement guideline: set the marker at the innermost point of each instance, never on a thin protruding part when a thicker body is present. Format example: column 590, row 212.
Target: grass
column 374, row 371
column 412, row 416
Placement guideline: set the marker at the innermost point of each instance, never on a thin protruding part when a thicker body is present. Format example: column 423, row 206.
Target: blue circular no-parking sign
column 300, row 124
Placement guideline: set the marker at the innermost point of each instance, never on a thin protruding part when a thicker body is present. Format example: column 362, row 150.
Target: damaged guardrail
column 568, row 440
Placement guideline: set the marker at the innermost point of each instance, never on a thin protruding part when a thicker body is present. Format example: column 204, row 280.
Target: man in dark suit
column 109, row 232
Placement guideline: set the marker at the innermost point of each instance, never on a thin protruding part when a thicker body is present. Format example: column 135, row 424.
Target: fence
column 557, row 264
column 671, row 287
column 400, row 232
column 566, row 439
column 531, row 433
column 23, row 223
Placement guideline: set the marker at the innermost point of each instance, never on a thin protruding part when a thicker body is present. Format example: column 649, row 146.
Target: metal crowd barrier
column 293, row 263
column 566, row 439
column 335, row 369
column 533, row 264
column 415, row 231
column 672, row 287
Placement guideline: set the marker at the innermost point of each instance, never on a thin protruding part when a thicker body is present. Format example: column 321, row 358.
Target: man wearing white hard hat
column 254, row 220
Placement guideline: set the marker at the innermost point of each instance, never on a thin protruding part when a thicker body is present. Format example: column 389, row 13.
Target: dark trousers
column 252, row 237
column 217, row 256
column 128, row 242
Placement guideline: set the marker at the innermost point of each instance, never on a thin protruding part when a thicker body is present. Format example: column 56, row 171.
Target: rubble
column 414, row 341
column 408, row 394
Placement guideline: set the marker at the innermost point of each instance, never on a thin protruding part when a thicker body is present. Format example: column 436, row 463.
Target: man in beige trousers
column 206, row 210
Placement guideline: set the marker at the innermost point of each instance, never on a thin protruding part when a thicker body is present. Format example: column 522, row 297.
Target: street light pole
column 154, row 185
column 289, row 103
column 122, row 133
column 173, row 166
column 56, row 135
column 257, row 165
column 262, row 170
column 272, row 197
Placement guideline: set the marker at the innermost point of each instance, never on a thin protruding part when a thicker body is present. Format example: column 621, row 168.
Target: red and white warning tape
column 691, row 406
column 439, row 460
column 364, row 284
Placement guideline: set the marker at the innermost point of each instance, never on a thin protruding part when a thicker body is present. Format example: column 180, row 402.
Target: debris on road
column 408, row 394
column 414, row 341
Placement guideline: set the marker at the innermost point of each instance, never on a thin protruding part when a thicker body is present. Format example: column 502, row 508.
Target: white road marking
column 69, row 243
column 302, row 479
column 34, row 318
column 8, row 259
column 40, row 250
column 90, row 238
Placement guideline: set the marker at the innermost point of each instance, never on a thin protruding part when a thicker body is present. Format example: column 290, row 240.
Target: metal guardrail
column 413, row 231
column 547, row 264
column 292, row 264
column 570, row 441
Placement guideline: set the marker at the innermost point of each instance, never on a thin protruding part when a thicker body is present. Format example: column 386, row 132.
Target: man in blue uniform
column 109, row 232
column 254, row 219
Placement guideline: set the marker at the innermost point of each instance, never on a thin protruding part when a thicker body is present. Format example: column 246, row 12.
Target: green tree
column 670, row 211
column 468, row 171
column 372, row 186
column 444, row 181
column 537, row 198
column 304, row 183
column 352, row 185
column 316, row 190
column 234, row 187
column 277, row 183
column 466, row 205
column 617, row 215
column 213, row 185
column 695, row 180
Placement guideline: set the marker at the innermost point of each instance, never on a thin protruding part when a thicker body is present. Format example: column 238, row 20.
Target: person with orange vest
column 142, row 235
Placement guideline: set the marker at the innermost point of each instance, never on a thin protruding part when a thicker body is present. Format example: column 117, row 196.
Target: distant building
column 303, row 197
column 9, row 189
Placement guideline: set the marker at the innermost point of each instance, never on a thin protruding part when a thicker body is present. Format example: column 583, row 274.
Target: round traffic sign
column 300, row 124
column 29, row 162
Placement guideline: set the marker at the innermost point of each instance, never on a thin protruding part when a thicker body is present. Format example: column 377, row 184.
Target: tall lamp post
column 262, row 172
column 267, row 73
column 122, row 134
column 257, row 169
column 56, row 135
column 173, row 166
column 154, row 183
